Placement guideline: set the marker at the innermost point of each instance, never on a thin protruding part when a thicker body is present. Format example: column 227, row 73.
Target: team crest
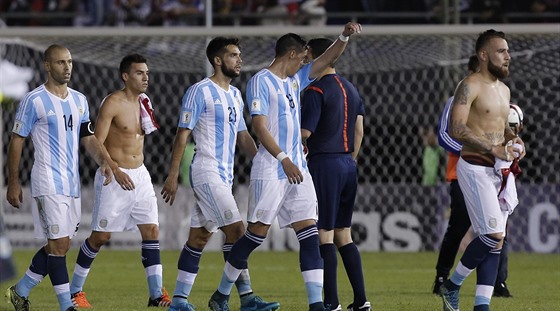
column 295, row 85
column 55, row 229
column 81, row 110
column 492, row 223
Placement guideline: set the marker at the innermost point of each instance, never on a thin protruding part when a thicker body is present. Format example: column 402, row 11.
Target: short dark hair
column 288, row 42
column 484, row 37
column 318, row 46
column 473, row 63
column 49, row 51
column 217, row 47
column 130, row 59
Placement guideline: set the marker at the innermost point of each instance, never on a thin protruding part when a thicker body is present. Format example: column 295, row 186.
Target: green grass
column 394, row 281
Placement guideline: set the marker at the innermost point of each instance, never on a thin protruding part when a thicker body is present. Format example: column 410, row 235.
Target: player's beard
column 498, row 71
column 230, row 73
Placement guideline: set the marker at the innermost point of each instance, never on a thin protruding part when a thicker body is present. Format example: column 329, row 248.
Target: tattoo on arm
column 464, row 134
column 461, row 94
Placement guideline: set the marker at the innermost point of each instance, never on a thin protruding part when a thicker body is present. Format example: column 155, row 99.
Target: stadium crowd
column 267, row 12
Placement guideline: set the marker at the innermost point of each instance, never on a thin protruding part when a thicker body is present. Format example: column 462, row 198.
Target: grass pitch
column 394, row 281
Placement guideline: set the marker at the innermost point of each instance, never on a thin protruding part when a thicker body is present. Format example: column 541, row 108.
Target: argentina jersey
column 278, row 100
column 215, row 116
column 54, row 126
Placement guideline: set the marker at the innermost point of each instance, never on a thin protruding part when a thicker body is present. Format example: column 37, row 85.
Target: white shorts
column 480, row 186
column 56, row 216
column 215, row 206
column 117, row 210
column 290, row 202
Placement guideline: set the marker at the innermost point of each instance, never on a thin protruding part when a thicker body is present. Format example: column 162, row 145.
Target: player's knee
column 199, row 241
column 98, row 239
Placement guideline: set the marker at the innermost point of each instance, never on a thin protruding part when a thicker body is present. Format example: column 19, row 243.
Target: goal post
column 404, row 74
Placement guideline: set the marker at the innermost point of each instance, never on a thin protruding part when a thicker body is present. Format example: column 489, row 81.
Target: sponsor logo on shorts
column 260, row 213
column 492, row 223
column 103, row 223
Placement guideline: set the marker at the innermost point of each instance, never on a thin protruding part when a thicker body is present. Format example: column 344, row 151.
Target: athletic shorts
column 290, row 202
column 336, row 184
column 215, row 206
column 480, row 186
column 117, row 210
column 56, row 216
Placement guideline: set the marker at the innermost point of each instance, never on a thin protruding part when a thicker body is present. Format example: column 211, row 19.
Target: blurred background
column 406, row 63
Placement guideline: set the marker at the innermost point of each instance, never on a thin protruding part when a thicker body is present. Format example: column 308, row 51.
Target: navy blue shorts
column 336, row 182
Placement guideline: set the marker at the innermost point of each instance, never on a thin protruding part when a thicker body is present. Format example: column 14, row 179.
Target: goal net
column 405, row 74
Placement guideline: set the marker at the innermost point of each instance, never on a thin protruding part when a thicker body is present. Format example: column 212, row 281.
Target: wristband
column 343, row 38
column 281, row 156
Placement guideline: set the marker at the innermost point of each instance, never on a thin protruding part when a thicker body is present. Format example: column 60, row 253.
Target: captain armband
column 86, row 129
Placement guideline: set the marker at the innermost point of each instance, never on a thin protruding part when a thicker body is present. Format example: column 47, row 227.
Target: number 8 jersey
column 54, row 125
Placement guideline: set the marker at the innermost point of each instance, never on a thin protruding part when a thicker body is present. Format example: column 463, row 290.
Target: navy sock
column 330, row 291
column 353, row 264
column 242, row 249
column 39, row 262
column 478, row 250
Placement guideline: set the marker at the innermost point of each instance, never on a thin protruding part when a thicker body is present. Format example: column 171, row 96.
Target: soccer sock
column 56, row 265
column 353, row 266
column 86, row 255
column 311, row 263
column 475, row 253
column 328, row 253
column 34, row 274
column 486, row 277
column 243, row 282
column 188, row 265
column 237, row 260
column 152, row 266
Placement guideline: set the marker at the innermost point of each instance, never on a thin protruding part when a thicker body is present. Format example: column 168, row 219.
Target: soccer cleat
column 255, row 303
column 338, row 308
column 71, row 309
column 450, row 299
column 185, row 306
column 365, row 307
column 318, row 306
column 19, row 303
column 218, row 302
column 437, row 284
column 162, row 301
column 79, row 300
column 501, row 290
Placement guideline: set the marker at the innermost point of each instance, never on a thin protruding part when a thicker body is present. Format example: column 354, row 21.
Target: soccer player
column 479, row 121
column 332, row 129
column 212, row 111
column 280, row 182
column 459, row 221
column 57, row 118
column 129, row 201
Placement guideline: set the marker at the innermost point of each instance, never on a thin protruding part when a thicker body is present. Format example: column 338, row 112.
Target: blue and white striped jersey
column 279, row 100
column 444, row 140
column 54, row 125
column 215, row 116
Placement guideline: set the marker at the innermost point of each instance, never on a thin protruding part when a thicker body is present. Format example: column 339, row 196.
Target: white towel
column 507, row 197
column 149, row 123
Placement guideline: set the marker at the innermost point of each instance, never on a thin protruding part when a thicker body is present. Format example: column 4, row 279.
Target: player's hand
column 169, row 190
column 292, row 171
column 14, row 195
column 107, row 173
column 351, row 28
column 123, row 179
column 520, row 151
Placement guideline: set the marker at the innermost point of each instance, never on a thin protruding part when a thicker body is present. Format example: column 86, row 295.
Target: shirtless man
column 479, row 120
column 130, row 200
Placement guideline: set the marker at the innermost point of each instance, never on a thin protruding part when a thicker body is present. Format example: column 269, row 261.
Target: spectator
column 183, row 12
column 313, row 12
